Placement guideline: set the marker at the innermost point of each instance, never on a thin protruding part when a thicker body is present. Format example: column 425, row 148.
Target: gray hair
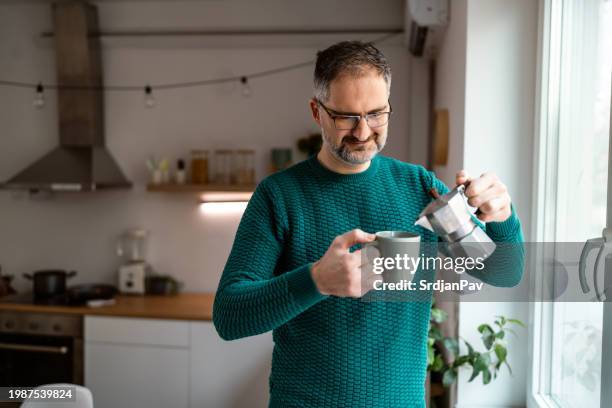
column 347, row 57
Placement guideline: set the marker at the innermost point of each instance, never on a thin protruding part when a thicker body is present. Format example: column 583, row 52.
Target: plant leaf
column 438, row 363
column 451, row 345
column 485, row 328
column 501, row 352
column 449, row 377
column 488, row 340
column 435, row 333
column 483, row 361
column 461, row 360
column 475, row 373
column 517, row 321
column 469, row 347
column 438, row 315
column 486, row 376
column 488, row 335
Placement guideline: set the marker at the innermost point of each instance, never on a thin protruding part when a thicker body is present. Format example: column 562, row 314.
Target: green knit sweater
column 330, row 351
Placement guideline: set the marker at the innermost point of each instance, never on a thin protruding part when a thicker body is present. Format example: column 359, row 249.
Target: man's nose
column 362, row 131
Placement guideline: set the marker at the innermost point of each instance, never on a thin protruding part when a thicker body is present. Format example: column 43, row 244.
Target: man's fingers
column 492, row 206
column 350, row 238
column 369, row 283
column 461, row 177
column 500, row 215
column 353, row 259
column 480, row 184
column 494, row 191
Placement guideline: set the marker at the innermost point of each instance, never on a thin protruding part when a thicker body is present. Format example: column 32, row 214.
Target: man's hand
column 339, row 272
column 488, row 194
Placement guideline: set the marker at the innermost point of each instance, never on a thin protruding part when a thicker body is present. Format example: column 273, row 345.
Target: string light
column 39, row 99
column 246, row 88
column 149, row 99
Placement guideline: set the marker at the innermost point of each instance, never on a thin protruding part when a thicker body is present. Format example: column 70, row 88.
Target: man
column 291, row 268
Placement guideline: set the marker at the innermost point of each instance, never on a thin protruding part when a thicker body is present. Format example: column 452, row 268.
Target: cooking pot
column 162, row 285
column 5, row 284
column 48, row 283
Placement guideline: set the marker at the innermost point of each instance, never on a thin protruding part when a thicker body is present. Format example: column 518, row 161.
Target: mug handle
column 374, row 244
column 371, row 243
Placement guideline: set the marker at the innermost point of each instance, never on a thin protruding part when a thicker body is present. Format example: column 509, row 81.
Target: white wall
column 486, row 78
column 78, row 231
column 450, row 87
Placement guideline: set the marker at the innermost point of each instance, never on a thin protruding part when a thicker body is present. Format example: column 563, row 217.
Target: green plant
column 488, row 363
column 310, row 144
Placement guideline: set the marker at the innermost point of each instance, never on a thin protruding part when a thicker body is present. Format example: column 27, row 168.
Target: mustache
column 353, row 139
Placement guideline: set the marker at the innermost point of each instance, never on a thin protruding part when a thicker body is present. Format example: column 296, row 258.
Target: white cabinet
column 137, row 362
column 229, row 374
column 151, row 363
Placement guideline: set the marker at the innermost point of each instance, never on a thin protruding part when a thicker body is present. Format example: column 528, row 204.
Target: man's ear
column 314, row 110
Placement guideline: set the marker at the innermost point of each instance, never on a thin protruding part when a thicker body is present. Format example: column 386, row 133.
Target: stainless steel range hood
column 81, row 162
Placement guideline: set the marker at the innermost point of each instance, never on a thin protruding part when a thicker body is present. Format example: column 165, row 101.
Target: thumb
column 461, row 177
column 350, row 238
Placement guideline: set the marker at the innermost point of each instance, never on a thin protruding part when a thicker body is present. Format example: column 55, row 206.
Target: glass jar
column 199, row 166
column 223, row 166
column 243, row 171
column 239, row 168
column 250, row 164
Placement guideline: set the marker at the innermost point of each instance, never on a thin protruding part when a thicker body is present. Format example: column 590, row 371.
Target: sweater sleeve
column 252, row 299
column 504, row 268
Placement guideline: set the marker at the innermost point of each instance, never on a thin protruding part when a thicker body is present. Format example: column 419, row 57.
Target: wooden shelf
column 201, row 188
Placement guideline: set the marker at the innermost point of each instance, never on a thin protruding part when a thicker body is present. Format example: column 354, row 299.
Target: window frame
column 544, row 210
column 550, row 106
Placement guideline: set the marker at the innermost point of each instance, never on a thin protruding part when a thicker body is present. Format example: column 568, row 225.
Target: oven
column 40, row 348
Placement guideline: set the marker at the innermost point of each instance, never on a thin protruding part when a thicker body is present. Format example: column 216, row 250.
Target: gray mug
column 393, row 246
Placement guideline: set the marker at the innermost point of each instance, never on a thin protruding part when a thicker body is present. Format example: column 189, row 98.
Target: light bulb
column 39, row 99
column 149, row 99
column 246, row 88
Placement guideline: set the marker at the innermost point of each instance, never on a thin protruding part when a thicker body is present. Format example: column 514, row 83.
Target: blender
column 131, row 246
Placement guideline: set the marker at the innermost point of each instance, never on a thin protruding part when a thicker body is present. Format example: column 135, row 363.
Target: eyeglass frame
column 334, row 114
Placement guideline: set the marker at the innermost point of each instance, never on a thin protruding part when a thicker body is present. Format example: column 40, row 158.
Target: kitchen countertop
column 184, row 306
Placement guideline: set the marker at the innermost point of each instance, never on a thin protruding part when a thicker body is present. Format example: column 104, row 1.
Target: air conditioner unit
column 427, row 20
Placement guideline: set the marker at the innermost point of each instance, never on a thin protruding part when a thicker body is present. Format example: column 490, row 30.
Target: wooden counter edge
column 184, row 306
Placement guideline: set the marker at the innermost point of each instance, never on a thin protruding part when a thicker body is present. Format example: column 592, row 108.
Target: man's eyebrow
column 378, row 109
column 357, row 114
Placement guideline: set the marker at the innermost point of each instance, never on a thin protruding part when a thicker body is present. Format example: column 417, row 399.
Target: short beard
column 344, row 153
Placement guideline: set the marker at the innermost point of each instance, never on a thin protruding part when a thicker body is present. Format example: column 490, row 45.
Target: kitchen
column 147, row 350
column 218, row 82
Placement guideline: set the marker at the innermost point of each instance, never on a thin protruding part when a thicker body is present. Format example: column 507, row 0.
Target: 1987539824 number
column 56, row 393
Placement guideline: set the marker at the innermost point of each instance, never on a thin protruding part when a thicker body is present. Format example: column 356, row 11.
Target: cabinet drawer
column 137, row 331
column 125, row 375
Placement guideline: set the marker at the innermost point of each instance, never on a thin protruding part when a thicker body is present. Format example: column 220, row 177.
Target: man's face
column 350, row 95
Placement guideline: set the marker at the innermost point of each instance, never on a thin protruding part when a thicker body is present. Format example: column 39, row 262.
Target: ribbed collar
column 331, row 175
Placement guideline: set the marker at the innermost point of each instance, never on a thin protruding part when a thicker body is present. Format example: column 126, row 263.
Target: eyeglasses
column 350, row 122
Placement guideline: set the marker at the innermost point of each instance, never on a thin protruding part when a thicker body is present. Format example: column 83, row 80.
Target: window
column 572, row 179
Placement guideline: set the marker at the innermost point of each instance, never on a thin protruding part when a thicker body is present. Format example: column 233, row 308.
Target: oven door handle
column 33, row 347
